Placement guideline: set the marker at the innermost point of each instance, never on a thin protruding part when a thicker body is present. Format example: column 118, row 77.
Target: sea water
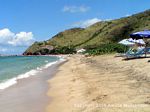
column 13, row 68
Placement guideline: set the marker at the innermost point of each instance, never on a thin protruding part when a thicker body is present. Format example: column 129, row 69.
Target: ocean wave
column 13, row 81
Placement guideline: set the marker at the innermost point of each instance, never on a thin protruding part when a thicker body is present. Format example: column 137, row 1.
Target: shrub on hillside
column 106, row 49
column 63, row 50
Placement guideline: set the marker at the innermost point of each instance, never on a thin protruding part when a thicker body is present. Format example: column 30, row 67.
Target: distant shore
column 100, row 84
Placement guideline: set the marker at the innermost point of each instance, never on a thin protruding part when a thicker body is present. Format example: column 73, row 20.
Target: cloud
column 127, row 15
column 3, row 49
column 86, row 23
column 22, row 39
column 75, row 9
column 7, row 37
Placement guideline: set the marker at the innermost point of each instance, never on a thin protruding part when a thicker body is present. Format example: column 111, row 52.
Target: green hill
column 105, row 32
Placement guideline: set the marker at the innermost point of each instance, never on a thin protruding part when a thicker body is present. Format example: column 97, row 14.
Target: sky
column 23, row 22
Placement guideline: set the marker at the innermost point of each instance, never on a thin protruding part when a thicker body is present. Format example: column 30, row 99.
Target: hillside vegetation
column 101, row 33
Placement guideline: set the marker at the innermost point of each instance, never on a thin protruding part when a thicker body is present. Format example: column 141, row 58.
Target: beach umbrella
column 131, row 40
column 126, row 42
column 139, row 41
column 141, row 34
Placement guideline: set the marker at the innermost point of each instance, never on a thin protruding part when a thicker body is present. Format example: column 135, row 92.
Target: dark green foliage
column 59, row 50
column 106, row 49
column 63, row 50
column 43, row 51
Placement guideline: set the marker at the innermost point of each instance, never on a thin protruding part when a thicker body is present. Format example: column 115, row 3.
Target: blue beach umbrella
column 141, row 34
column 137, row 41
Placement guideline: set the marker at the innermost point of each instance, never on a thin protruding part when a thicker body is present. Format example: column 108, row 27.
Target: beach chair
column 148, row 50
column 139, row 53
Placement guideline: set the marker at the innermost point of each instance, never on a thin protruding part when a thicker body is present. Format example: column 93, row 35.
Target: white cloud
column 3, row 49
column 20, row 39
column 127, row 15
column 6, row 35
column 75, row 9
column 86, row 23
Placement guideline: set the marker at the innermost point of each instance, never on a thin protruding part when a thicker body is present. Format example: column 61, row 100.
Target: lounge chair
column 131, row 54
column 137, row 54
column 147, row 50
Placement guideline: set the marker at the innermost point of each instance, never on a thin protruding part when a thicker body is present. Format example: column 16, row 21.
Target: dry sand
column 101, row 84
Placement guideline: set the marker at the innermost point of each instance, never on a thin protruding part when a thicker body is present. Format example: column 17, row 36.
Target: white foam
column 14, row 80
column 28, row 74
column 50, row 64
column 8, row 83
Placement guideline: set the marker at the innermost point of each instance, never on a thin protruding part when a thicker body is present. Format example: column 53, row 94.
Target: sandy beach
column 100, row 84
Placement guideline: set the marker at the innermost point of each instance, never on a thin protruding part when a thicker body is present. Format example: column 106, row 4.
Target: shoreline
column 100, row 84
column 29, row 94
column 10, row 82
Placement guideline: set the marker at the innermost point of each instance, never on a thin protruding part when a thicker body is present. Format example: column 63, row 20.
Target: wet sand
column 28, row 95
column 101, row 84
